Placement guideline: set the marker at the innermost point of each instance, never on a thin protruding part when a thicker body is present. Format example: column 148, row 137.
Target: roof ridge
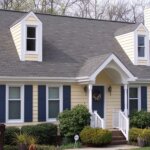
column 73, row 17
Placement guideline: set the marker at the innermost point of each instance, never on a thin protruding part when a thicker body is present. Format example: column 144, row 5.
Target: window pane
column 30, row 44
column 14, row 92
column 31, row 32
column 53, row 109
column 141, row 40
column 141, row 51
column 133, row 93
column 133, row 106
column 53, row 93
column 14, row 110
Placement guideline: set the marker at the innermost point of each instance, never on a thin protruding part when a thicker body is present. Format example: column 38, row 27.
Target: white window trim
column 22, row 104
column 60, row 101
column 141, row 57
column 36, row 40
column 145, row 47
column 139, row 96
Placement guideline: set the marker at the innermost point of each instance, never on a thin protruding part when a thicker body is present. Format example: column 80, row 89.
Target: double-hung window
column 14, row 104
column 133, row 99
column 31, row 38
column 141, row 46
column 54, row 102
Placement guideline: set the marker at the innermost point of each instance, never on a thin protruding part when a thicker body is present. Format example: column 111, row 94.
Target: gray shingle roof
column 93, row 63
column 70, row 47
column 127, row 29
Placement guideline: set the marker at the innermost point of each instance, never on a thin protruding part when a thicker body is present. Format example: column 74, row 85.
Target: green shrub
column 10, row 147
column 134, row 133
column 140, row 119
column 95, row 136
column 10, row 135
column 73, row 121
column 145, row 135
column 45, row 133
column 86, row 135
column 42, row 147
column 39, row 147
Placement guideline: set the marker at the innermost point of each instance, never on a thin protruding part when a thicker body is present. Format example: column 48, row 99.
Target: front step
column 118, row 138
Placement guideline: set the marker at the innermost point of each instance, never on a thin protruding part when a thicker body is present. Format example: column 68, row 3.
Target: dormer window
column 31, row 38
column 141, row 46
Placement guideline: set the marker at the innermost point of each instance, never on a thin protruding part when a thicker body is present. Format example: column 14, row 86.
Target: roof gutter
column 44, row 79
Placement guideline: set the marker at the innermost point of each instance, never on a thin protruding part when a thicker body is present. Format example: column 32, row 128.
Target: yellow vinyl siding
column 31, row 20
column 142, row 62
column 78, row 96
column 126, row 41
column 35, row 103
column 31, row 57
column 147, row 18
column 141, row 30
column 16, row 35
column 111, row 102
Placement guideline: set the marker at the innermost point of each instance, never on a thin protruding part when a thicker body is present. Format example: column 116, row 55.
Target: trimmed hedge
column 134, row 133
column 10, row 135
column 95, row 136
column 140, row 119
column 45, row 133
column 145, row 135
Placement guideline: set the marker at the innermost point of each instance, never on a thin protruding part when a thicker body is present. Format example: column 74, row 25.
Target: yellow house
column 52, row 63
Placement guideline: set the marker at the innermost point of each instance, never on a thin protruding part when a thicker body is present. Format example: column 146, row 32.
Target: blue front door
column 98, row 100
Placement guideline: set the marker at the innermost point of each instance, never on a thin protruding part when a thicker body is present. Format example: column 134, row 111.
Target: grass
column 144, row 148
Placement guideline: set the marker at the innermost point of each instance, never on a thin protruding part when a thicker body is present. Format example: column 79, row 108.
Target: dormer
column 27, row 37
column 134, row 40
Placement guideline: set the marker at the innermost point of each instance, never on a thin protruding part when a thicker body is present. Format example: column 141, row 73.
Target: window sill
column 31, row 52
column 142, row 58
column 52, row 120
column 14, row 121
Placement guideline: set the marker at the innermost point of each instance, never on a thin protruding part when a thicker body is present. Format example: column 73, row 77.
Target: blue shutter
column 2, row 103
column 66, row 97
column 122, row 98
column 144, row 98
column 28, row 100
column 42, row 103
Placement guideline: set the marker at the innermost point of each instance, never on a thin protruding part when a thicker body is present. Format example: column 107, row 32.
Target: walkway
column 115, row 147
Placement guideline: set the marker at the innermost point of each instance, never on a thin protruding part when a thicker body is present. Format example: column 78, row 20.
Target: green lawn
column 144, row 148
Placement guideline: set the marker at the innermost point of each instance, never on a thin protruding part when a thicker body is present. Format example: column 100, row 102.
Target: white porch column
column 90, row 97
column 125, row 99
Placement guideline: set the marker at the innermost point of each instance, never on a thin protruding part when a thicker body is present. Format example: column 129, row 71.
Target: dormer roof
column 24, row 17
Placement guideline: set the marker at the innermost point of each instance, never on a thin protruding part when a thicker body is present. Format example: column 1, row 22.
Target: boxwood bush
column 95, row 136
column 143, row 134
column 45, row 133
column 133, row 134
column 73, row 121
column 140, row 119
column 10, row 135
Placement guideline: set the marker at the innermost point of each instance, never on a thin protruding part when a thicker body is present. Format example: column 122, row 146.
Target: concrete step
column 118, row 142
column 118, row 138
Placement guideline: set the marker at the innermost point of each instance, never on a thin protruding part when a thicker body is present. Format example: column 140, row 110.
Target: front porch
column 113, row 116
column 108, row 96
